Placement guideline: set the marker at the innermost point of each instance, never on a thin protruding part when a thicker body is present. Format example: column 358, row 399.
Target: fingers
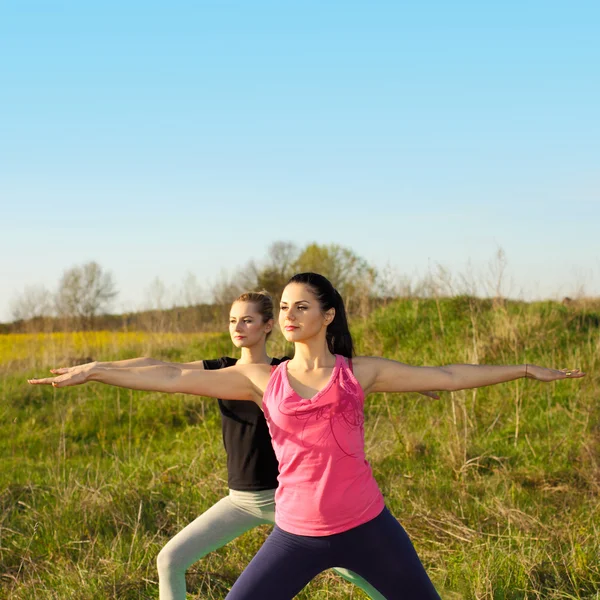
column 572, row 373
column 46, row 381
column 68, row 379
column 53, row 381
column 545, row 374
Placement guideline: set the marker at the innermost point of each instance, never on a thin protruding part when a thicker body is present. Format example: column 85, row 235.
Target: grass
column 497, row 487
column 38, row 350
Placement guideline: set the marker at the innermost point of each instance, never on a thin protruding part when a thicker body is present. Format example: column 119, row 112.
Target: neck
column 255, row 355
column 312, row 354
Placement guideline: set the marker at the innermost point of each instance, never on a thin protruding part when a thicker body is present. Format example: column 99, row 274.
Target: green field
column 498, row 487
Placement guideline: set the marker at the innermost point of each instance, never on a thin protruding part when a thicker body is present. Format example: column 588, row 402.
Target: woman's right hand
column 241, row 382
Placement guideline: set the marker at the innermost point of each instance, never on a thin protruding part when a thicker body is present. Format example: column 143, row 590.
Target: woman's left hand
column 66, row 376
column 544, row 374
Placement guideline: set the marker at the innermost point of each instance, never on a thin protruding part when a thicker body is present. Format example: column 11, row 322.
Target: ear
column 269, row 325
column 329, row 316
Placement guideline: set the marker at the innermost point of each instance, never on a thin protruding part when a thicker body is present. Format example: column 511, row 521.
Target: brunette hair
column 339, row 340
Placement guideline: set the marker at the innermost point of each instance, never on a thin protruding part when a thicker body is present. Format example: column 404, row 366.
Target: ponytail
column 339, row 340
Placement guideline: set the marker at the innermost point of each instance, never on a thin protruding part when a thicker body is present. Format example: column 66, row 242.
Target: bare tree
column 156, row 295
column 33, row 308
column 191, row 293
column 270, row 274
column 229, row 286
column 278, row 267
column 33, row 303
column 347, row 271
column 156, row 305
column 84, row 292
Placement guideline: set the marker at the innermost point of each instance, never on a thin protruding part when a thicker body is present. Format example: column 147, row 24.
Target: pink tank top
column 326, row 486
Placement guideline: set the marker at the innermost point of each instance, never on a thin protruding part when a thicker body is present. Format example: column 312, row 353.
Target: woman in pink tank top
column 330, row 511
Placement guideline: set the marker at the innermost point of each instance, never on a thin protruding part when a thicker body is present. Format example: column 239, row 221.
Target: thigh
column 221, row 523
column 381, row 552
column 260, row 503
column 282, row 567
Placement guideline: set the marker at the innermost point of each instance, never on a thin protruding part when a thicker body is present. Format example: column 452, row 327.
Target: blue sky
column 161, row 139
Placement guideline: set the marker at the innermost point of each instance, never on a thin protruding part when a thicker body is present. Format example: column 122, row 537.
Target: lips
column 290, row 328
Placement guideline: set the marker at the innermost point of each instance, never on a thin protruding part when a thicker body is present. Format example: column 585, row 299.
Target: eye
column 247, row 321
column 302, row 307
column 283, row 308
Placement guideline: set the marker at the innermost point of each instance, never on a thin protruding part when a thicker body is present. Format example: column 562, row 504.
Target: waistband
column 258, row 499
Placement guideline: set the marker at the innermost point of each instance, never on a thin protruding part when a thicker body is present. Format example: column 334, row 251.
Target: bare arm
column 382, row 375
column 243, row 382
column 141, row 361
column 149, row 362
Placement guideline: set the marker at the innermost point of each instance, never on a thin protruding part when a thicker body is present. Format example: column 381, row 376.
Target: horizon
column 581, row 300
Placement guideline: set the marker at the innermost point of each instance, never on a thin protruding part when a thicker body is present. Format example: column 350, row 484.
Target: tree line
column 86, row 293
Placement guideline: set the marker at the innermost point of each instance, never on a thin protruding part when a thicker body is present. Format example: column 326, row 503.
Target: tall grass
column 498, row 487
column 38, row 350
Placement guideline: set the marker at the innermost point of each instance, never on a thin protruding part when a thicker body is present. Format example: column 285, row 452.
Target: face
column 300, row 314
column 246, row 326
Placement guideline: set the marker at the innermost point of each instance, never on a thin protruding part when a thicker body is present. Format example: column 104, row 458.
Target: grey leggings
column 224, row 521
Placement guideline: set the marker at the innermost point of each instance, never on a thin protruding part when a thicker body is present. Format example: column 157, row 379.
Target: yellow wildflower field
column 62, row 348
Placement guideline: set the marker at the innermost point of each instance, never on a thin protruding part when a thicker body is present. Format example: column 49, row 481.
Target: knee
column 167, row 561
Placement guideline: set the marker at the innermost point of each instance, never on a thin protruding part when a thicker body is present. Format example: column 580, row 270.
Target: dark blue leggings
column 379, row 551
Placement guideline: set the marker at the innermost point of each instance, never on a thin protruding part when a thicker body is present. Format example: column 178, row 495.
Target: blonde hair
column 263, row 302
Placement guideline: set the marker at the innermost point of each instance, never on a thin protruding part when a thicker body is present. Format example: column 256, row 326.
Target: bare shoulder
column 372, row 370
column 365, row 370
column 375, row 362
column 370, row 363
column 238, row 382
column 258, row 374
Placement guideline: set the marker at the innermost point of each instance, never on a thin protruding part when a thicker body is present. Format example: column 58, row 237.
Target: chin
column 293, row 336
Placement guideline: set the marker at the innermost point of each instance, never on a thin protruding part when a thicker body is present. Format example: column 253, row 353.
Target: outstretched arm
column 382, row 375
column 235, row 383
column 141, row 361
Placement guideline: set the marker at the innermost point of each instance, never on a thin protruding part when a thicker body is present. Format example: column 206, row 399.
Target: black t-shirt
column 251, row 462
